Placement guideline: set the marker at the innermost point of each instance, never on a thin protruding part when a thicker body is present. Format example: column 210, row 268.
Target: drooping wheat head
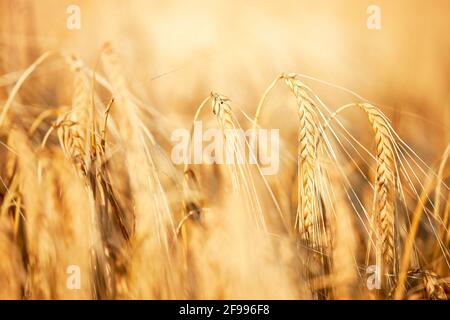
column 385, row 187
column 73, row 126
column 220, row 105
column 307, row 218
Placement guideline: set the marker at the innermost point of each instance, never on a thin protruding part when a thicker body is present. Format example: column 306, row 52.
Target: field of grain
column 92, row 205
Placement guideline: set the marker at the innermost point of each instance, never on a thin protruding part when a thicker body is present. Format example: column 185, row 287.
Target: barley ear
column 307, row 210
column 385, row 185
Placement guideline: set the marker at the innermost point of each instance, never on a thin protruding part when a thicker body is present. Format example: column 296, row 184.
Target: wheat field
column 92, row 205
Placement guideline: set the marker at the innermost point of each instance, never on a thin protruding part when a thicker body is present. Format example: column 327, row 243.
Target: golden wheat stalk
column 307, row 211
column 73, row 127
column 239, row 171
column 385, row 186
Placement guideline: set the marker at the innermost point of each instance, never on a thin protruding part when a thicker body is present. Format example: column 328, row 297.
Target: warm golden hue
column 360, row 205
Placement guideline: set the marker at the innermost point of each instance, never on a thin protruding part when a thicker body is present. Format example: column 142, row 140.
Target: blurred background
column 175, row 52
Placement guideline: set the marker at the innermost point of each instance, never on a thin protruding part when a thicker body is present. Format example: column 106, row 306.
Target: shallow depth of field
column 93, row 207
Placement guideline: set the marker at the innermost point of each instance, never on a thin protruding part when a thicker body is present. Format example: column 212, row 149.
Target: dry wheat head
column 307, row 211
column 385, row 184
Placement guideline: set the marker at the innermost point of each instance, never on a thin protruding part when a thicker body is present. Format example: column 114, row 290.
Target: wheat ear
column 307, row 215
column 221, row 108
column 385, row 184
column 433, row 287
column 73, row 126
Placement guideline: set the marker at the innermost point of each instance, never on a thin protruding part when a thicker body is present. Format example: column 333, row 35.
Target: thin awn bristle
column 239, row 172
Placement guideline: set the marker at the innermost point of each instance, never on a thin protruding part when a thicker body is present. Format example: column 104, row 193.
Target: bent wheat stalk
column 307, row 218
column 385, row 184
column 307, row 210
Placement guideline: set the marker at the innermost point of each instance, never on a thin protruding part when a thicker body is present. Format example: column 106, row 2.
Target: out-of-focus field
column 93, row 186
column 239, row 47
